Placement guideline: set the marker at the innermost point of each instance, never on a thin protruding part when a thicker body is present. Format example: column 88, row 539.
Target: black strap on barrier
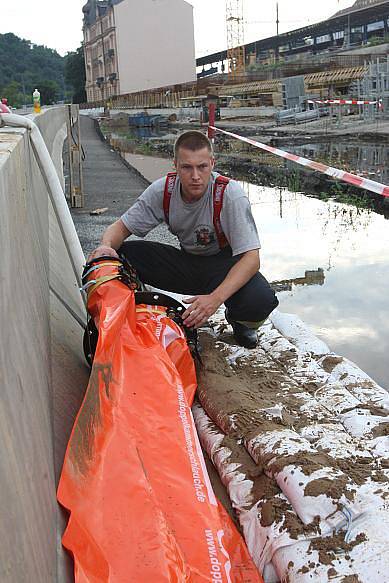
column 128, row 275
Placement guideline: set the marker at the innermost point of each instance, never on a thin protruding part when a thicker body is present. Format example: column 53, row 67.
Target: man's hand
column 103, row 250
column 200, row 309
column 112, row 239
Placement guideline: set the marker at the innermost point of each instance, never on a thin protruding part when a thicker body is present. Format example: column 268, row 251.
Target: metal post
column 69, row 139
column 76, row 188
column 277, row 49
column 212, row 119
column 81, row 180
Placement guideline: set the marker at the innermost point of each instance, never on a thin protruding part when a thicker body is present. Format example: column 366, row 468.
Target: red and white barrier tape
column 346, row 102
column 335, row 173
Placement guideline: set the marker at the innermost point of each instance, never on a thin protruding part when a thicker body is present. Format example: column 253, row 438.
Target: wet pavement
column 108, row 182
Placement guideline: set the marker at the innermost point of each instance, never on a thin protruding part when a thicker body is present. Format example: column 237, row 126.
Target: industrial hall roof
column 359, row 13
column 359, row 5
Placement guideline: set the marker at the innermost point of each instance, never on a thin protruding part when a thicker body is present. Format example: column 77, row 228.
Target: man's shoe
column 244, row 335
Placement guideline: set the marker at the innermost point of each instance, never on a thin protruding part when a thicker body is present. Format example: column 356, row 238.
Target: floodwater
column 365, row 159
column 332, row 262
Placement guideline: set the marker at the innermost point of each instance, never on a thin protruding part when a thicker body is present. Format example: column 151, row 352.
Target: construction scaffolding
column 375, row 85
column 235, row 38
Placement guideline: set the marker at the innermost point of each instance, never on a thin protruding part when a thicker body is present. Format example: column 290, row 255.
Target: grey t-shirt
column 192, row 222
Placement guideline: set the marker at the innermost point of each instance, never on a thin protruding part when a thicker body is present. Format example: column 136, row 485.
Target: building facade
column 132, row 46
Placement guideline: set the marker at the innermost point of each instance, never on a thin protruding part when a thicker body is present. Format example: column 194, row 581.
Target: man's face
column 194, row 170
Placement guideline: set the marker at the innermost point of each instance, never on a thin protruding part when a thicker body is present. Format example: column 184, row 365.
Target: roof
column 324, row 78
column 359, row 11
column 359, row 5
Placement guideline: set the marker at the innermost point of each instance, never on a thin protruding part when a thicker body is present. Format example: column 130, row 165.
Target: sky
column 57, row 24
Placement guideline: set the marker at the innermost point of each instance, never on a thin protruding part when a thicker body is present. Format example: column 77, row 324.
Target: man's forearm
column 111, row 240
column 238, row 276
column 114, row 235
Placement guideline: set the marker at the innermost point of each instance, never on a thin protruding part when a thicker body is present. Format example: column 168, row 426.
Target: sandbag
column 316, row 427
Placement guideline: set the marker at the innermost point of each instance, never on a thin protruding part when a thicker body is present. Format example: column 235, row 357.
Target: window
column 375, row 26
column 323, row 39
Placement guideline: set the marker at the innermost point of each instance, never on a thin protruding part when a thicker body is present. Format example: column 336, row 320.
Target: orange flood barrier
column 134, row 481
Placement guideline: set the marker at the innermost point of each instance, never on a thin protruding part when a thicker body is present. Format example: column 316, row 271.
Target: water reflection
column 143, row 133
column 348, row 306
column 366, row 159
column 316, row 277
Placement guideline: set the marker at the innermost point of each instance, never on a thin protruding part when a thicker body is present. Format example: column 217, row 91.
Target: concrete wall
column 43, row 376
column 155, row 44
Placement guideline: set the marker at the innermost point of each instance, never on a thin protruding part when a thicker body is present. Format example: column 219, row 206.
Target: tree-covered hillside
column 25, row 66
column 75, row 74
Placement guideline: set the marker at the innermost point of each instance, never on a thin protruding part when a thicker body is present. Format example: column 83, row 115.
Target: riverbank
column 246, row 163
column 284, row 386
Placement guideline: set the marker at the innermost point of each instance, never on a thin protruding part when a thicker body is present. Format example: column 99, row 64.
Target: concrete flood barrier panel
column 42, row 372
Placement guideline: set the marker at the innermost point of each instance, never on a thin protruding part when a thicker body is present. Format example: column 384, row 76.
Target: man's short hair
column 192, row 140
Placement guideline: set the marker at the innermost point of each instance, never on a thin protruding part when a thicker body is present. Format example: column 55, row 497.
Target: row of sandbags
column 299, row 437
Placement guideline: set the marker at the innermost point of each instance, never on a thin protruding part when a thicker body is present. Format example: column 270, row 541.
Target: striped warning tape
column 346, row 102
column 365, row 183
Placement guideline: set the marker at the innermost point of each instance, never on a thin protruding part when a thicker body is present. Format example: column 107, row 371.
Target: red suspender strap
column 219, row 188
column 169, row 187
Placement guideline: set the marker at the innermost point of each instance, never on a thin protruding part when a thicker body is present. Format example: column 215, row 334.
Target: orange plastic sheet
column 134, row 481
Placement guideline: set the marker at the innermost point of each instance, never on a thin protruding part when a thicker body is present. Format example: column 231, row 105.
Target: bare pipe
column 54, row 187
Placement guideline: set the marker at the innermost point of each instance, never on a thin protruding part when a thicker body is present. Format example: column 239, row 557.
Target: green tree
column 13, row 93
column 27, row 63
column 49, row 91
column 75, row 74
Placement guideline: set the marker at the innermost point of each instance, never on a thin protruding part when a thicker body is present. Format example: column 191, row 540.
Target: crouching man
column 218, row 260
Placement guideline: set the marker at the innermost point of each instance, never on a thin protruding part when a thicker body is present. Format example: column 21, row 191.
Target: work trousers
column 175, row 270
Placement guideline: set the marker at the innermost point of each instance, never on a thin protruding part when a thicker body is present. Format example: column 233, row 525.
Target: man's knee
column 133, row 248
column 262, row 305
column 142, row 255
column 254, row 302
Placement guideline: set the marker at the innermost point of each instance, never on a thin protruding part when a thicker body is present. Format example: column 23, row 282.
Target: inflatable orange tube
column 134, row 481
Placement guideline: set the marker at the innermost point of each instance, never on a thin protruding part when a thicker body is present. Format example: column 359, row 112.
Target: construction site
column 254, row 75
column 138, row 447
column 298, row 89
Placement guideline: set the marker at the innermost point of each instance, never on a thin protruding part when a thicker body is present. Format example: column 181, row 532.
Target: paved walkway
column 108, row 182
